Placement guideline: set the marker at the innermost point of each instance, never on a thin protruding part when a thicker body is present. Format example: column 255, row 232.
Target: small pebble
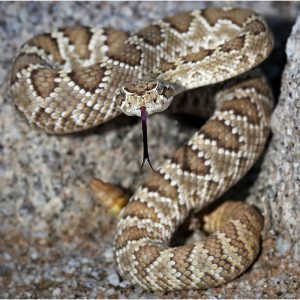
column 34, row 255
column 113, row 279
column 283, row 245
column 110, row 292
column 108, row 254
column 56, row 292
column 7, row 256
column 124, row 284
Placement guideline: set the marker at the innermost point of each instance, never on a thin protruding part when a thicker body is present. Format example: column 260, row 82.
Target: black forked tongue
column 145, row 139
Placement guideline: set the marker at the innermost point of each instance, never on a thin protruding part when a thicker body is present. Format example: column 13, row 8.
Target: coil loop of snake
column 76, row 78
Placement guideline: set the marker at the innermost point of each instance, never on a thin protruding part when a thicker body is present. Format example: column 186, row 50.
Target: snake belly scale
column 65, row 81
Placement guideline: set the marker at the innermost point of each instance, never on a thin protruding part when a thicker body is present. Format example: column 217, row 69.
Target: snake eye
column 167, row 91
column 120, row 97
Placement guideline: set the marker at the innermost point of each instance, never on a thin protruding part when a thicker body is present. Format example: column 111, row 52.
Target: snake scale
column 75, row 78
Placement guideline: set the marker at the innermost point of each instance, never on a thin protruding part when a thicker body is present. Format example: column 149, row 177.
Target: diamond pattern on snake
column 75, row 78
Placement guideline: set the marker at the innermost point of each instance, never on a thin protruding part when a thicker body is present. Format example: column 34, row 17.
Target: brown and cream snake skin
column 65, row 81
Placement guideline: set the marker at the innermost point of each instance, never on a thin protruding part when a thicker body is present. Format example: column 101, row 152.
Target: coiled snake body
column 66, row 81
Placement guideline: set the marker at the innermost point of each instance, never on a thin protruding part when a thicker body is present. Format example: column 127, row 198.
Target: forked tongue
column 145, row 139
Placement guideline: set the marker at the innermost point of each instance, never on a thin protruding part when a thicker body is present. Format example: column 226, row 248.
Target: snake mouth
column 132, row 113
column 150, row 109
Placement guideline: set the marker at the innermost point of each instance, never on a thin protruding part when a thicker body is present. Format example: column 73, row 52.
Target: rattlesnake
column 66, row 81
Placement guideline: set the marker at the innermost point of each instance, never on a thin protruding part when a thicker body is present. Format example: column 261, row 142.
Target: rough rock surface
column 279, row 182
column 57, row 240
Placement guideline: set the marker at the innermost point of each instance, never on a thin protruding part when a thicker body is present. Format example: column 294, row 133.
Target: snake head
column 153, row 94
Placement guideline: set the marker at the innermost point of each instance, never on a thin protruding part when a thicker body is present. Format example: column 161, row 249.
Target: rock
column 113, row 279
column 56, row 292
column 278, row 183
